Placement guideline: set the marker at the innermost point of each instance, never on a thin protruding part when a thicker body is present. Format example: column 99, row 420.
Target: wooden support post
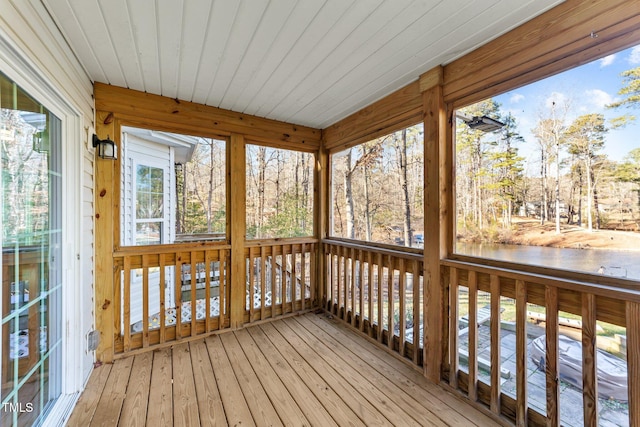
column 106, row 205
column 238, row 229
column 435, row 208
column 321, row 194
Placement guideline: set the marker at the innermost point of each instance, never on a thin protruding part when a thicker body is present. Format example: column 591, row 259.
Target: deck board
column 302, row 370
column 161, row 392
column 134, row 409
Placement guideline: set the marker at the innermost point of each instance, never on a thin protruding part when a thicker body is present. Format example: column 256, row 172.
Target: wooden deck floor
column 305, row 370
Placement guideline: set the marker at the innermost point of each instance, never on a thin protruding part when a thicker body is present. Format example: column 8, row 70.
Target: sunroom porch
column 303, row 370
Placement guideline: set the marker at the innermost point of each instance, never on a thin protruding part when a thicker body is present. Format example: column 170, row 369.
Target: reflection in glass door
column 31, row 345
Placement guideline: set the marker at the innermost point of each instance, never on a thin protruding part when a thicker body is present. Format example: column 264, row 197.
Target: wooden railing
column 498, row 303
column 379, row 290
column 281, row 277
column 169, row 293
column 172, row 291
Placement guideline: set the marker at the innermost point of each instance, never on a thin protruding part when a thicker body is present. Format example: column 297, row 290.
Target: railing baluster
column 370, row 292
column 589, row 373
column 222, row 288
column 274, row 292
column 163, row 315
column 352, row 295
column 127, row 303
column 495, row 344
column 283, row 278
column 473, row 335
column 207, row 291
column 339, row 281
column 194, row 290
column 251, row 284
column 633, row 361
column 294, row 277
column 551, row 356
column 313, row 278
column 178, row 295
column 416, row 310
column 303, row 275
column 391, row 297
column 263, row 281
column 380, row 271
column 521, row 353
column 361, row 282
column 145, row 300
column 453, row 328
column 402, row 309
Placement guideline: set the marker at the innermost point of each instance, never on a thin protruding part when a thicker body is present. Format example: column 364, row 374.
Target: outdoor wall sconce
column 106, row 148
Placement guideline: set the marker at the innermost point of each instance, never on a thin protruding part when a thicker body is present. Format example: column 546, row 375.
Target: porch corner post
column 321, row 222
column 106, row 212
column 238, row 229
column 435, row 218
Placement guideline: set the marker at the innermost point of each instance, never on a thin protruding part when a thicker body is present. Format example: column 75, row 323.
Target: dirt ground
column 531, row 232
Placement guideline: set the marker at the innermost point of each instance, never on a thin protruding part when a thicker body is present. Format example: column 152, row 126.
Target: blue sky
column 587, row 89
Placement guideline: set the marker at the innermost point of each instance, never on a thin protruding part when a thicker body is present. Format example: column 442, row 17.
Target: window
column 149, row 205
column 173, row 188
column 377, row 189
column 279, row 193
column 549, row 174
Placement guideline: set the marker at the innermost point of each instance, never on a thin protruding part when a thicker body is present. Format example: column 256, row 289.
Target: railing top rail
column 554, row 281
column 413, row 254
column 168, row 249
column 279, row 241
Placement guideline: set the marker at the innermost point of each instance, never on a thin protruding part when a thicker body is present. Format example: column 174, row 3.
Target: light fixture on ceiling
column 483, row 123
column 106, row 148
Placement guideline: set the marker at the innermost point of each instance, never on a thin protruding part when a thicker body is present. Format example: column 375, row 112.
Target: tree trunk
column 401, row 152
column 367, row 201
column 348, row 196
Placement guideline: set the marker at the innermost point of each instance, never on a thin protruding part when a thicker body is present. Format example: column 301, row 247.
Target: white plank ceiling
column 309, row 62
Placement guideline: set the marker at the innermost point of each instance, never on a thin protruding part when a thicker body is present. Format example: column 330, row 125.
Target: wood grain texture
column 398, row 110
column 453, row 328
column 548, row 43
column 496, row 360
column 210, row 408
column 472, row 385
column 105, row 216
column 112, row 398
column 304, row 370
column 88, row 401
column 552, row 356
column 633, row 362
column 135, row 407
column 238, row 272
column 521, row 353
column 173, row 115
column 435, row 212
column 589, row 368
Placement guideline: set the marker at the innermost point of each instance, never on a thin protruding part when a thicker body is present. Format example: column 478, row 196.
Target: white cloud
column 516, row 97
column 634, row 56
column 607, row 60
column 598, row 97
column 558, row 98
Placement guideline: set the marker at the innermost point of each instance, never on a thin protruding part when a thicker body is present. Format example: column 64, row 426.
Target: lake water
column 616, row 263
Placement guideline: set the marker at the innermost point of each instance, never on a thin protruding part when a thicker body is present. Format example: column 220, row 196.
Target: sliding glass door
column 31, row 299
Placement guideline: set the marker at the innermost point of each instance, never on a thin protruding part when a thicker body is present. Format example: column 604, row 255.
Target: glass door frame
column 75, row 148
